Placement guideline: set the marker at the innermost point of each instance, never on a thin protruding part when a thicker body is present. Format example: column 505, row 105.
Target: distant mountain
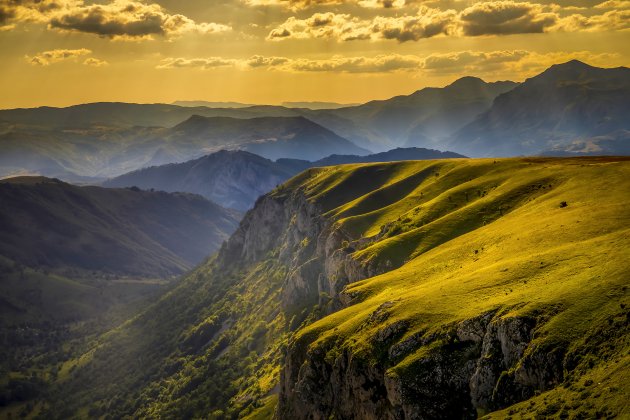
column 237, row 178
column 316, row 105
column 419, row 119
column 102, row 151
column 49, row 224
column 394, row 155
column 119, row 114
column 212, row 104
column 567, row 103
column 273, row 138
column 428, row 115
column 232, row 178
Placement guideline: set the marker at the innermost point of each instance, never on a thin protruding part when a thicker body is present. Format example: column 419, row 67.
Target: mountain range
column 79, row 154
column 571, row 108
column 566, row 104
column 236, row 179
column 428, row 116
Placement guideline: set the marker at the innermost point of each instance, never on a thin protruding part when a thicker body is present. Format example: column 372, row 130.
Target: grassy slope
column 216, row 340
column 48, row 223
column 477, row 235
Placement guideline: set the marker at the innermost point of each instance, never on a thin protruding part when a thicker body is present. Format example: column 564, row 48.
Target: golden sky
column 64, row 52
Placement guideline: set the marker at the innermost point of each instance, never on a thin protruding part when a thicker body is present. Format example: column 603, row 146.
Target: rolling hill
column 390, row 290
column 236, row 179
column 52, row 225
column 567, row 103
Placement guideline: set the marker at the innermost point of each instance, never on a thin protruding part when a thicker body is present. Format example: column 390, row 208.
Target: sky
column 65, row 52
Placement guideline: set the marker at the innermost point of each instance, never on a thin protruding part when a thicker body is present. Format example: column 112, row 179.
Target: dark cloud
column 115, row 19
column 504, row 18
column 105, row 22
column 6, row 14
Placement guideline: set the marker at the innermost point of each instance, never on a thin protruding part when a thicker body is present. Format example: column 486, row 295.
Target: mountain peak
column 467, row 81
column 573, row 64
column 570, row 70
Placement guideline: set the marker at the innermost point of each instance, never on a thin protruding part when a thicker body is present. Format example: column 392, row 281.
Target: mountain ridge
column 237, row 178
column 49, row 223
column 565, row 103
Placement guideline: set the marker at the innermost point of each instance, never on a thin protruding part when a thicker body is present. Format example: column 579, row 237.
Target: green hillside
column 538, row 239
column 451, row 289
column 50, row 224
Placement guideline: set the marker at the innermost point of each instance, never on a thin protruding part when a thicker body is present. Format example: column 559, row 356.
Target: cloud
column 426, row 23
column 613, row 20
column 261, row 61
column 480, row 63
column 296, row 5
column 117, row 19
column 614, row 4
column 202, row 63
column 6, row 14
column 505, row 18
column 378, row 64
column 129, row 19
column 500, row 17
column 46, row 58
column 471, row 61
column 518, row 62
column 95, row 62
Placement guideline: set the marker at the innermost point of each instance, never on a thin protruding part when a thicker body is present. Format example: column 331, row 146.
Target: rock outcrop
column 310, row 245
column 481, row 364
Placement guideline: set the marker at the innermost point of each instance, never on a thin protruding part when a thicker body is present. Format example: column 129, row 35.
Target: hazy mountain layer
column 273, row 138
column 391, row 290
column 212, row 104
column 52, row 225
column 567, row 103
column 419, row 119
column 236, row 179
column 428, row 115
column 103, row 151
column 316, row 105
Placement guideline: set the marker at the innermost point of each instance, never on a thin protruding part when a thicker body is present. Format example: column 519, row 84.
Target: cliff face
column 314, row 250
column 479, row 365
column 379, row 364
